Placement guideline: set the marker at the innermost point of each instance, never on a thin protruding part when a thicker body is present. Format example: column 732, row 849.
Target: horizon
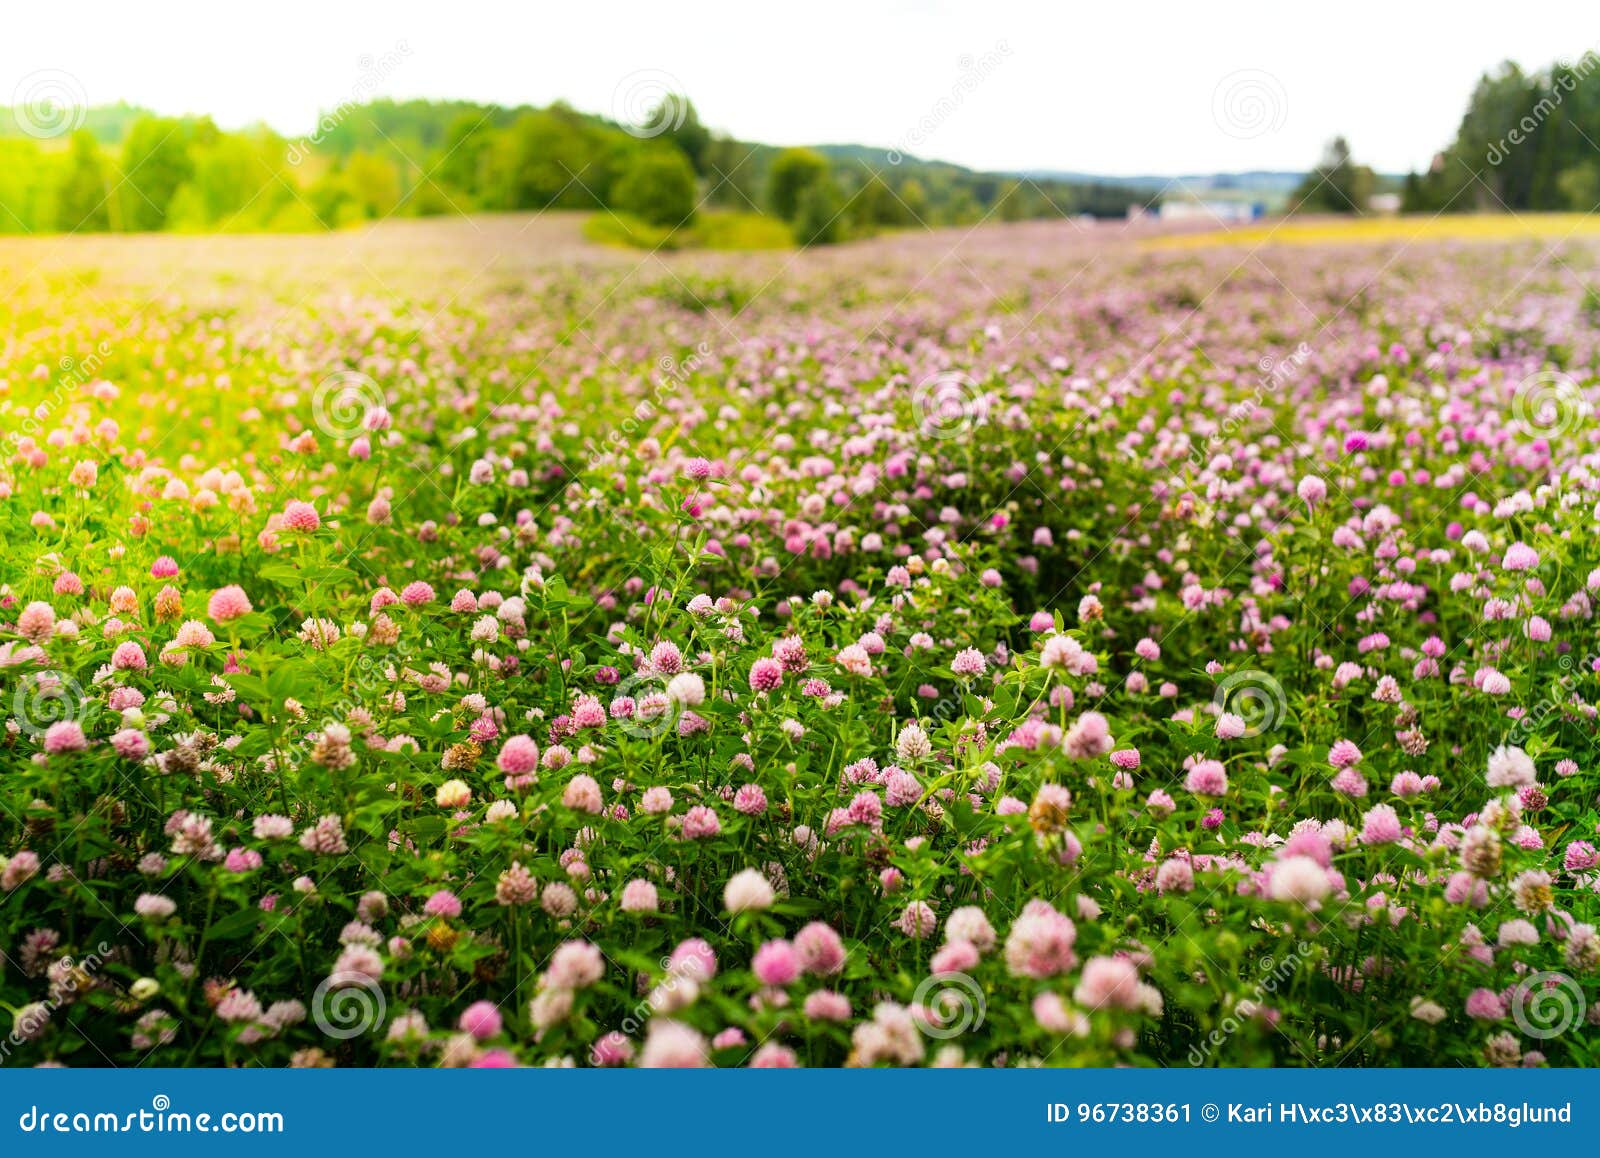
column 975, row 90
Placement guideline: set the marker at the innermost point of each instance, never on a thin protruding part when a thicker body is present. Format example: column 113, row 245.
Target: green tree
column 794, row 172
column 679, row 122
column 23, row 189
column 83, row 200
column 875, row 206
column 373, row 183
column 463, row 167
column 1486, row 141
column 155, row 162
column 915, row 197
column 1012, row 202
column 659, row 187
column 548, row 159
column 818, row 217
column 1336, row 185
column 1579, row 186
column 239, row 178
column 733, row 174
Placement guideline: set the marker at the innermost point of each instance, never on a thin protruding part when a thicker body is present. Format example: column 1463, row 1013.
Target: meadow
column 458, row 643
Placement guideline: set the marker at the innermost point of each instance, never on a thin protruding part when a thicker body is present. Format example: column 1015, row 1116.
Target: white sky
column 1129, row 87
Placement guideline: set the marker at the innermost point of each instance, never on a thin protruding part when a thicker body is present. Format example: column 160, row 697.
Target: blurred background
column 722, row 125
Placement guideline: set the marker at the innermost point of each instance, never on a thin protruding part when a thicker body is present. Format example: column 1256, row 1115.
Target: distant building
column 1218, row 211
column 1384, row 203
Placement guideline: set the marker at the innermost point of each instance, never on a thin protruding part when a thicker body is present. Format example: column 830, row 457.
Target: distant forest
column 122, row 168
column 1528, row 141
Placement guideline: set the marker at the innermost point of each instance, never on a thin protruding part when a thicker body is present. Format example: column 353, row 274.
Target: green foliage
column 817, row 219
column 875, row 205
column 373, row 184
column 419, row 158
column 83, row 202
column 659, row 187
column 718, row 229
column 1525, row 143
column 1336, row 185
column 155, row 162
column 550, row 160
column 679, row 123
column 794, row 172
column 725, row 230
column 611, row 228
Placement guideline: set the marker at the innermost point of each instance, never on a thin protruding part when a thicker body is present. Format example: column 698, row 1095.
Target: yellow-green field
column 1369, row 230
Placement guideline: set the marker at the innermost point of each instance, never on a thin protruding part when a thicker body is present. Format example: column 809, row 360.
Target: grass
column 728, row 231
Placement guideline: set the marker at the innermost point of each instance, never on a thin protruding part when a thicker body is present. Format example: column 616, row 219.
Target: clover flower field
column 455, row 645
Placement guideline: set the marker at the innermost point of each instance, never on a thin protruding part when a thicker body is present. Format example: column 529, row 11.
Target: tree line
column 125, row 169
column 1528, row 141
